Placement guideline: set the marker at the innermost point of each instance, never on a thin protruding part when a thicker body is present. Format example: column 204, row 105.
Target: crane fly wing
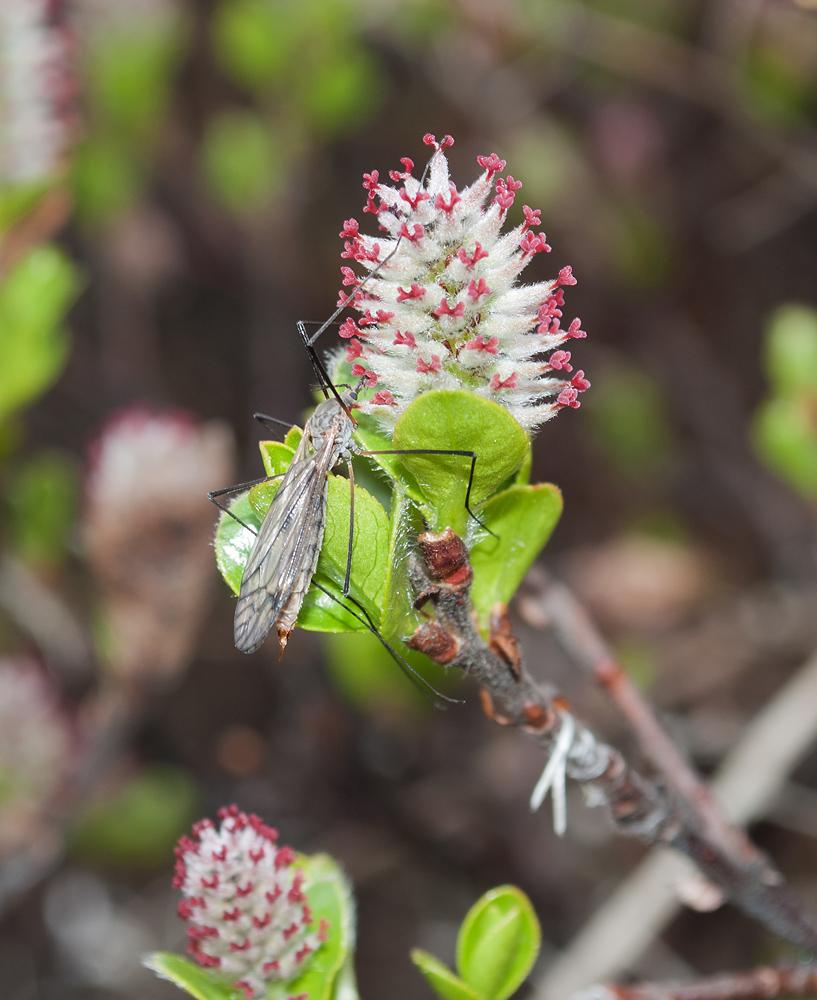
column 285, row 553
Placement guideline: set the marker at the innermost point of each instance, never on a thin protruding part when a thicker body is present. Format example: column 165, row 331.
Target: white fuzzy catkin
column 244, row 902
column 442, row 309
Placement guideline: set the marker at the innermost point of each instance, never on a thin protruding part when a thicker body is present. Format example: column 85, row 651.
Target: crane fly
column 285, row 553
column 284, row 556
column 283, row 559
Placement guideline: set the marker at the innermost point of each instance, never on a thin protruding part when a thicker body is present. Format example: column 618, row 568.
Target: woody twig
column 764, row 983
column 638, row 807
column 548, row 603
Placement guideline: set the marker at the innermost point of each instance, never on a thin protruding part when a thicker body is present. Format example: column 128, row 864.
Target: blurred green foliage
column 128, row 67
column 628, row 420
column 33, row 344
column 785, row 425
column 308, row 57
column 776, row 86
column 243, row 165
column 42, row 500
column 17, row 200
column 137, row 825
column 364, row 674
column 312, row 78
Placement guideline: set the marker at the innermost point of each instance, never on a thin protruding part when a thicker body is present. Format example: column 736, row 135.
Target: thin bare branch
column 764, row 983
column 637, row 806
column 548, row 603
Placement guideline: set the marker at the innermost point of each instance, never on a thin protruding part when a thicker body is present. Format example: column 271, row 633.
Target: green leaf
column 370, row 560
column 276, row 455
column 400, row 619
column 523, row 519
column 441, row 979
column 293, row 438
column 370, row 551
column 498, row 942
column 242, row 163
column 33, row 300
column 345, row 986
column 330, row 898
column 277, row 458
column 233, row 542
column 193, row 979
column 139, row 824
column 458, row 420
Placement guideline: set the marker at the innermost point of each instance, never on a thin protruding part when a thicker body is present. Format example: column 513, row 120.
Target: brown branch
column 551, row 604
column 764, row 983
column 637, row 806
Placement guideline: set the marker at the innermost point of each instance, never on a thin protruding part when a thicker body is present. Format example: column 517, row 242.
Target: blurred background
column 173, row 177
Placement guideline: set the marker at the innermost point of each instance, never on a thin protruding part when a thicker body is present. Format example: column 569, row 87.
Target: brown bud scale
column 432, row 639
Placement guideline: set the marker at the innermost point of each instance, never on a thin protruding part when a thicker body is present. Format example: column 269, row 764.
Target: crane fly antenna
column 428, row 690
column 317, row 365
column 355, row 288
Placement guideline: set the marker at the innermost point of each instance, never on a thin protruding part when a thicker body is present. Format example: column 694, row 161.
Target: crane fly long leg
column 211, row 496
column 435, row 696
column 263, row 418
column 443, row 451
column 346, row 582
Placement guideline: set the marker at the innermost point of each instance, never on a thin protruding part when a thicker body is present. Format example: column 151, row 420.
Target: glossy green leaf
column 277, row 458
column 458, row 420
column 33, row 300
column 234, row 542
column 522, row 478
column 370, row 553
column 276, row 455
column 330, row 898
column 400, row 619
column 370, row 560
column 345, row 985
column 523, row 519
column 293, row 437
column 441, row 979
column 193, row 979
column 498, row 942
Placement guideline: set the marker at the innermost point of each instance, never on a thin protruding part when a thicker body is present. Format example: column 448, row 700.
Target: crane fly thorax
column 331, row 427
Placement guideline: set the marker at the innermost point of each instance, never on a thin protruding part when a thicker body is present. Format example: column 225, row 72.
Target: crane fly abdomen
column 283, row 559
